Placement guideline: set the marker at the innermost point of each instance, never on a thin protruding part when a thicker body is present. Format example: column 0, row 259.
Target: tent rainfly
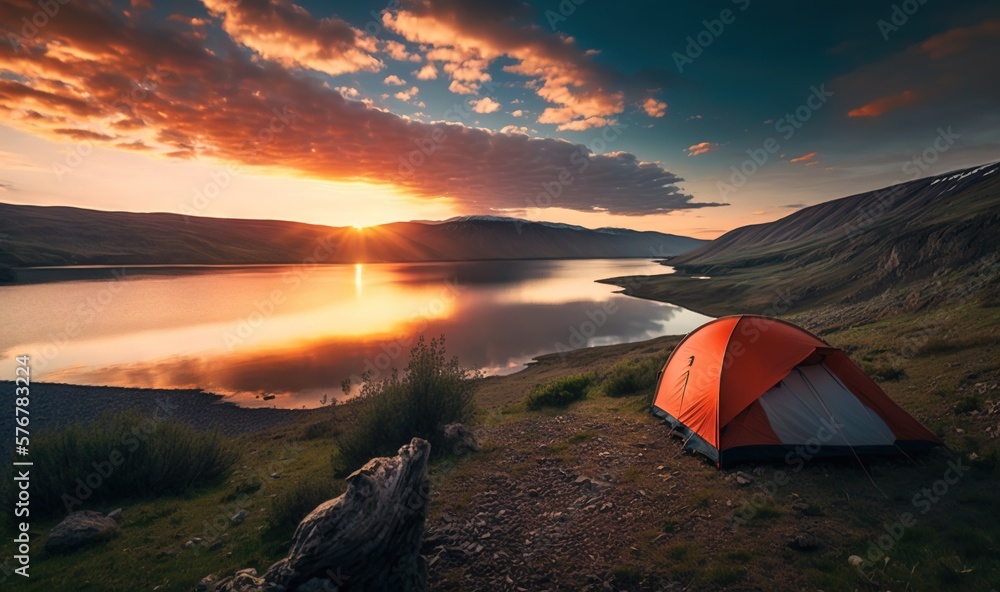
column 748, row 387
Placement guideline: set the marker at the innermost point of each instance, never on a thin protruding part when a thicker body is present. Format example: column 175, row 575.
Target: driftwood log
column 366, row 540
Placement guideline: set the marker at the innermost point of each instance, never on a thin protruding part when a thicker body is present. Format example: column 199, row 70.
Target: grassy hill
column 49, row 236
column 925, row 236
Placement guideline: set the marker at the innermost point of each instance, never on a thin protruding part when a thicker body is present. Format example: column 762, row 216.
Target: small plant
column 631, row 377
column 626, row 575
column 559, row 393
column 291, row 506
column 121, row 456
column 967, row 405
column 885, row 373
column 431, row 392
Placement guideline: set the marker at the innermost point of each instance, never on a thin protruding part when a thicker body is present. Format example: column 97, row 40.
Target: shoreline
column 57, row 404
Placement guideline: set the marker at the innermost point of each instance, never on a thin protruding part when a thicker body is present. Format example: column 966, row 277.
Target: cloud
column 348, row 92
column 654, row 108
column 700, row 148
column 406, row 95
column 466, row 38
column 885, row 104
column 393, row 80
column 284, row 32
column 517, row 113
column 428, row 72
column 941, row 77
column 261, row 112
column 515, row 129
column 398, row 52
column 15, row 162
column 804, row 157
column 485, row 105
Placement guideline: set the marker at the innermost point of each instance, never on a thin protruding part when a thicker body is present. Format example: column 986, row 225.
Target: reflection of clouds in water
column 477, row 333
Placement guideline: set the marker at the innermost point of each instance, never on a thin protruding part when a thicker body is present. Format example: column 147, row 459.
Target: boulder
column 366, row 540
column 80, row 529
column 459, row 439
column 239, row 517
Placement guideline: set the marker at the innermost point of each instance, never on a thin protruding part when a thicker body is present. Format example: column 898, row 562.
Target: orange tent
column 749, row 387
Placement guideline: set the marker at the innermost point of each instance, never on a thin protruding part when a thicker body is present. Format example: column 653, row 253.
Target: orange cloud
column 885, row 104
column 182, row 99
column 700, row 148
column 655, row 108
column 956, row 41
column 485, row 105
column 804, row 157
column 467, row 37
column 286, row 33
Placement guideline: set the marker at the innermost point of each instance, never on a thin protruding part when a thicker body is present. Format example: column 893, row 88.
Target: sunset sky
column 591, row 112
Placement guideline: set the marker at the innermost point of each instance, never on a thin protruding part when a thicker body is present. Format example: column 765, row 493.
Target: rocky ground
column 574, row 502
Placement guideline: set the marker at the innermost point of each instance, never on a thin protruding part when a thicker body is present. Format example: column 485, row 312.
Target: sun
column 359, row 227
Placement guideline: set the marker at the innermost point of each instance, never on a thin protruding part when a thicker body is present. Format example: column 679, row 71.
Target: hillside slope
column 48, row 236
column 937, row 230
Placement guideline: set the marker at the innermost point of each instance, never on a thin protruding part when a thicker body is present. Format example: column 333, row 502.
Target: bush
column 120, row 456
column 431, row 392
column 631, row 377
column 560, row 392
column 290, row 507
column 326, row 428
column 884, row 373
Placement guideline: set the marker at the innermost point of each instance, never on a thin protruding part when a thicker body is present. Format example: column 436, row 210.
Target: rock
column 803, row 541
column 366, row 540
column 207, row 583
column 743, row 479
column 80, row 529
column 459, row 439
column 239, row 517
column 115, row 514
column 856, row 561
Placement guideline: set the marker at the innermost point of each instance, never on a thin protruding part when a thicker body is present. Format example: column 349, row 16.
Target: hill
column 50, row 236
column 935, row 231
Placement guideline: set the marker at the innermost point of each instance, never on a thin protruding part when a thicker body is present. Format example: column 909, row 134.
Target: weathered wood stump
column 366, row 540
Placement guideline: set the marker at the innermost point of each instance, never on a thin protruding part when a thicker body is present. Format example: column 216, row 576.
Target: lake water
column 297, row 332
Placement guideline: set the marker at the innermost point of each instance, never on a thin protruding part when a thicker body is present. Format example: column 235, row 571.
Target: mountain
column 47, row 236
column 930, row 230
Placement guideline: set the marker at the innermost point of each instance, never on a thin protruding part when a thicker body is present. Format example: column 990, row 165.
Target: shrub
column 431, row 392
column 121, row 456
column 291, row 506
column 884, row 373
column 967, row 404
column 631, row 377
column 326, row 428
column 560, row 392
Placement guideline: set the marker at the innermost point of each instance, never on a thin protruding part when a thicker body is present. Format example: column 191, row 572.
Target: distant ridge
column 56, row 235
column 937, row 231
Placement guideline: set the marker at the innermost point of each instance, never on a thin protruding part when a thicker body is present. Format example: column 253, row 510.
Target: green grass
column 431, row 392
column 631, row 377
column 560, row 392
column 120, row 457
column 291, row 506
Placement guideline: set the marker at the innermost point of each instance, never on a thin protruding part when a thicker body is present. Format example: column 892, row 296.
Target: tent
column 749, row 387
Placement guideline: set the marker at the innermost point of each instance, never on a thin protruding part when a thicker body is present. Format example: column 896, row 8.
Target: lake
column 297, row 332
